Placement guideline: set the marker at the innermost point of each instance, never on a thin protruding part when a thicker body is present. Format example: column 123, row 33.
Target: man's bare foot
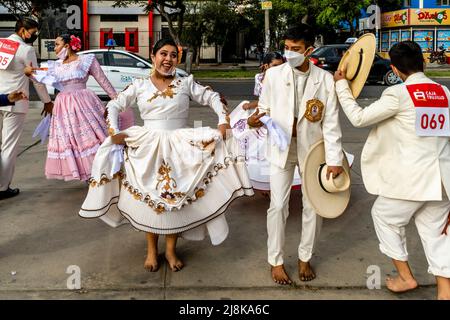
column 279, row 275
column 151, row 263
column 443, row 288
column 305, row 271
column 175, row 264
column 398, row 284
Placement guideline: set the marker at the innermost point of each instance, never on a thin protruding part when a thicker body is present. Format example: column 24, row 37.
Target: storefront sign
column 430, row 17
column 398, row 18
column 266, row 5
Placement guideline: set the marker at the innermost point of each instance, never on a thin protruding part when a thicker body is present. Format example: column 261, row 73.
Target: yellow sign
column 266, row 5
column 433, row 17
column 399, row 18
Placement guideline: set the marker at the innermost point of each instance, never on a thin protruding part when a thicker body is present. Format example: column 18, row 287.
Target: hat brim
column 366, row 43
column 327, row 205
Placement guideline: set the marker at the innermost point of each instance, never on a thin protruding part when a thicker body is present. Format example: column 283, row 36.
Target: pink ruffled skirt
column 77, row 130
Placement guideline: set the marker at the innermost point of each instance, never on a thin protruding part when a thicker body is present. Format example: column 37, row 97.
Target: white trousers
column 11, row 125
column 280, row 190
column 390, row 216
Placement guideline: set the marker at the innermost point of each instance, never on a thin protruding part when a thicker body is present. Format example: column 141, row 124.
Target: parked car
column 329, row 56
column 121, row 68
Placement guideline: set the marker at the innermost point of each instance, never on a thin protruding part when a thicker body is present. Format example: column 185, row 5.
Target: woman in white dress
column 173, row 181
column 253, row 143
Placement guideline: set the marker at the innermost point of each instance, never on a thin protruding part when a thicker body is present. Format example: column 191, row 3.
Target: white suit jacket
column 13, row 77
column 395, row 162
column 277, row 100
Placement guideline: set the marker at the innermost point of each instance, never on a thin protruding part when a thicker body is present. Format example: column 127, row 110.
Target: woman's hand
column 119, row 138
column 223, row 129
column 48, row 109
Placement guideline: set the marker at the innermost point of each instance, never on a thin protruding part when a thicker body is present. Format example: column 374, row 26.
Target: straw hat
column 357, row 61
column 330, row 197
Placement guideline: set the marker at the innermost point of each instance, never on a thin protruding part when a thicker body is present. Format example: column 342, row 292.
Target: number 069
column 426, row 122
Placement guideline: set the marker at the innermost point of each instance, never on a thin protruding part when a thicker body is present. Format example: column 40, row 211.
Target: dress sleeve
column 41, row 89
column 120, row 104
column 206, row 96
column 96, row 71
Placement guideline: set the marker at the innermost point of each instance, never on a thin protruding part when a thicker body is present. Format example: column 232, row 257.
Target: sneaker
column 9, row 193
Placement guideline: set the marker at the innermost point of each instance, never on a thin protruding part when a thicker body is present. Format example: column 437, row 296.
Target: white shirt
column 300, row 79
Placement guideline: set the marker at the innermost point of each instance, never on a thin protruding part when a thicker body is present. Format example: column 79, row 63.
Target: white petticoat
column 170, row 183
column 253, row 145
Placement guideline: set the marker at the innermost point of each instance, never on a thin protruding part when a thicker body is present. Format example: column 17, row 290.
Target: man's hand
column 119, row 138
column 253, row 120
column 16, row 96
column 223, row 129
column 334, row 171
column 48, row 108
column 339, row 75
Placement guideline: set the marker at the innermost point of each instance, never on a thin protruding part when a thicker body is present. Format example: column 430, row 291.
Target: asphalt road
column 243, row 89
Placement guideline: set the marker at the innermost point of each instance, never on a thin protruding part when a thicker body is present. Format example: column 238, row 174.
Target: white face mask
column 171, row 72
column 294, row 59
column 62, row 54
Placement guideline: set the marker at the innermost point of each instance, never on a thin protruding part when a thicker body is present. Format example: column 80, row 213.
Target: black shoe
column 9, row 193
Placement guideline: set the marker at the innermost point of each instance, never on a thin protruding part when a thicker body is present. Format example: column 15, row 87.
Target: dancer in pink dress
column 78, row 126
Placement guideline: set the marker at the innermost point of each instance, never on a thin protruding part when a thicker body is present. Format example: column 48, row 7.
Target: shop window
column 105, row 35
column 406, row 35
column 385, row 41
column 119, row 18
column 394, row 37
column 407, row 3
column 444, row 2
column 443, row 39
column 132, row 39
column 120, row 39
column 425, row 39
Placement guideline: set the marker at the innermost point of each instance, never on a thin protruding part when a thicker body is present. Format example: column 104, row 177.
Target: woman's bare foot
column 175, row 264
column 279, row 275
column 443, row 288
column 151, row 263
column 305, row 271
column 399, row 284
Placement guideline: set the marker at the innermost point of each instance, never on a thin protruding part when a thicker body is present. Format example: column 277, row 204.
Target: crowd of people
column 166, row 179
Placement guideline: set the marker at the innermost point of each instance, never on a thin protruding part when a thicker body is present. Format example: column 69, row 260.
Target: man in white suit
column 406, row 162
column 301, row 99
column 12, row 117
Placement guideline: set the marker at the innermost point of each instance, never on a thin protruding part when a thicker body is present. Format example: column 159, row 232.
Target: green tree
column 172, row 10
column 34, row 7
column 335, row 12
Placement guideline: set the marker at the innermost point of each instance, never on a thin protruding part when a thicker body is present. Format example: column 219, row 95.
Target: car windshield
column 140, row 57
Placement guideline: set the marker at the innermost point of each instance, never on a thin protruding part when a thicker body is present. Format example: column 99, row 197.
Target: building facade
column 425, row 21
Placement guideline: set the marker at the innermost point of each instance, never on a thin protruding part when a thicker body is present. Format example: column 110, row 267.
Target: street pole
column 267, row 31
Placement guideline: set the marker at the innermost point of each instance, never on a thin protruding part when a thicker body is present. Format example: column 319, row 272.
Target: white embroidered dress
column 171, row 181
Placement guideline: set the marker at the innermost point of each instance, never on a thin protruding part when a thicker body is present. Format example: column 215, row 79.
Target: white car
column 120, row 67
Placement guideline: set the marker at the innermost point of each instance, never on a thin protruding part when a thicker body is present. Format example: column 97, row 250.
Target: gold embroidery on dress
column 199, row 192
column 104, row 179
column 168, row 93
column 168, row 184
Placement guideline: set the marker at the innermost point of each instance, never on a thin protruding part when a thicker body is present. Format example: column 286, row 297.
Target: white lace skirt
column 171, row 182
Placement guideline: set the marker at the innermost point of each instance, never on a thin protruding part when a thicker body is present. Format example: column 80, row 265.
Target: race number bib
column 432, row 109
column 8, row 49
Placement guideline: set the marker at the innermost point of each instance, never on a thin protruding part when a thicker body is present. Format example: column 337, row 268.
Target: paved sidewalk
column 42, row 235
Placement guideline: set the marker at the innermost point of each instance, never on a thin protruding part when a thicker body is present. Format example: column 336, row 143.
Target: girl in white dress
column 173, row 180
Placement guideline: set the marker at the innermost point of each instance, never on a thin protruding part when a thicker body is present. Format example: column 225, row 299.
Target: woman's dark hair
column 407, row 57
column 163, row 42
column 301, row 32
column 27, row 23
column 270, row 56
column 65, row 38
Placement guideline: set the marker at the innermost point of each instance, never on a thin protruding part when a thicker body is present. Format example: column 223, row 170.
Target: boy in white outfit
column 406, row 162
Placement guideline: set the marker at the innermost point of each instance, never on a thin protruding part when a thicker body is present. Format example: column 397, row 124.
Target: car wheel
column 390, row 78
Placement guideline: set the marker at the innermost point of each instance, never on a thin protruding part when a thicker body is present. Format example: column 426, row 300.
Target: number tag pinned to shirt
column 8, row 49
column 432, row 109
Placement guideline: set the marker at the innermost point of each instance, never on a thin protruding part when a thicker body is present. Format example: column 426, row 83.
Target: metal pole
column 267, row 32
